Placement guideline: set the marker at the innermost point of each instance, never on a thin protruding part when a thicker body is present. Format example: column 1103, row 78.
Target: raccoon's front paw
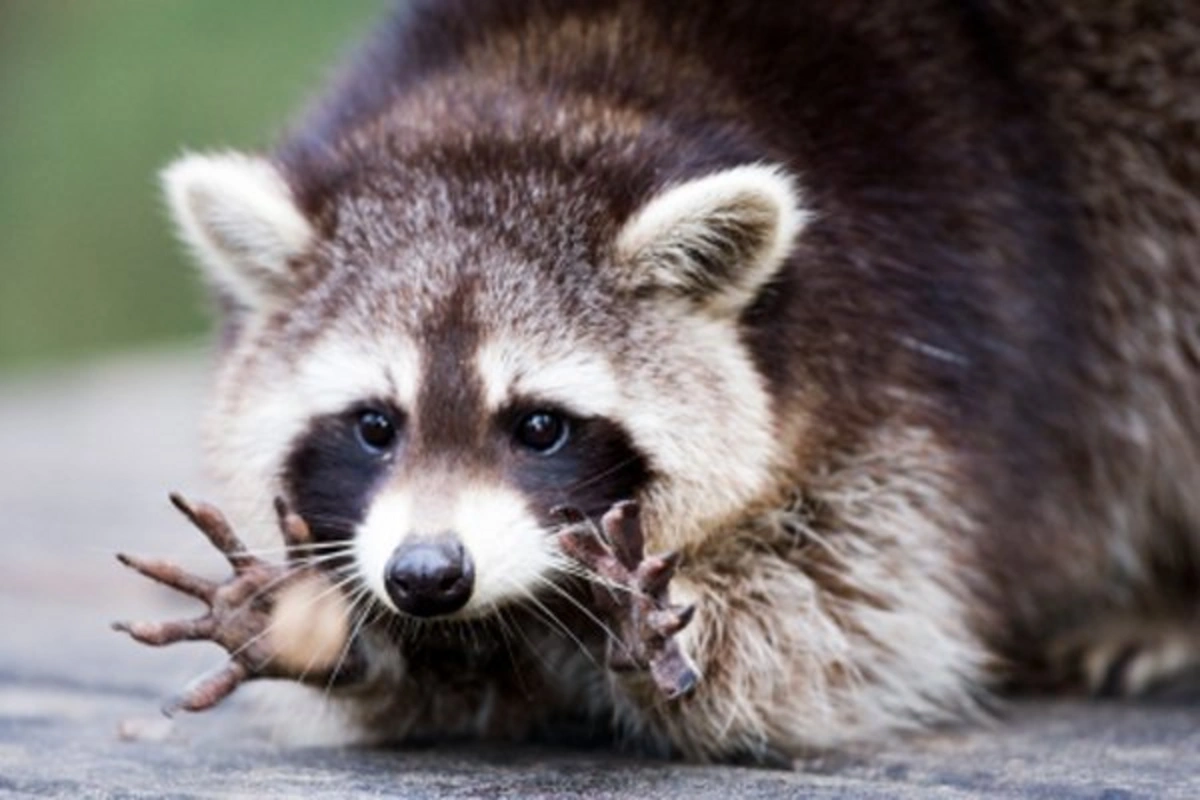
column 631, row 589
column 274, row 620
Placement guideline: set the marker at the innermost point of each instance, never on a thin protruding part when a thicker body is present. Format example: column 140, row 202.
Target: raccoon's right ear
column 713, row 240
column 237, row 214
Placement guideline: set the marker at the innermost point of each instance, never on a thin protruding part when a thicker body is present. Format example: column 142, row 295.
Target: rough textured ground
column 87, row 459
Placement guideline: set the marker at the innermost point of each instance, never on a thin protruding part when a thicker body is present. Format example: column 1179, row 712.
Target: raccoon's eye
column 542, row 431
column 375, row 430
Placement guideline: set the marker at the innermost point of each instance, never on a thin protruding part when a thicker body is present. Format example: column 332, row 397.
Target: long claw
column 685, row 614
column 212, row 524
column 158, row 634
column 623, row 529
column 208, row 690
column 674, row 675
column 656, row 572
column 670, row 621
column 170, row 575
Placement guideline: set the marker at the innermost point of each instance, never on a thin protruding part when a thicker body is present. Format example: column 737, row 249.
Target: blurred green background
column 95, row 96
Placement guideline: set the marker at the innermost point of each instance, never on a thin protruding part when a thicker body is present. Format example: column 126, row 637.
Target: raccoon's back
column 1118, row 83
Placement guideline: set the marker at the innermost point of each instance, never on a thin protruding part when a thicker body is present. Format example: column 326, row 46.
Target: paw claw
column 157, row 634
column 656, row 572
column 208, row 690
column 685, row 685
column 212, row 523
column 670, row 621
column 169, row 574
column 674, row 674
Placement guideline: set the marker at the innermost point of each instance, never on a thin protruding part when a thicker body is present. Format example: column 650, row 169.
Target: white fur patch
column 237, row 215
column 580, row 382
column 511, row 551
column 387, row 524
column 757, row 203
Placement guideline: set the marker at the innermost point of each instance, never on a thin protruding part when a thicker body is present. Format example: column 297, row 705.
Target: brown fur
column 982, row 357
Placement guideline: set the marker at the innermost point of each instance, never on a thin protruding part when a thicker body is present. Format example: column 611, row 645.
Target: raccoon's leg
column 274, row 620
column 806, row 647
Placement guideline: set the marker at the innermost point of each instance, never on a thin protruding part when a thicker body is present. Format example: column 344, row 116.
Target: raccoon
column 886, row 315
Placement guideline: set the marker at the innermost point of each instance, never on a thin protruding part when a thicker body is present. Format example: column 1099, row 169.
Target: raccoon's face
column 428, row 389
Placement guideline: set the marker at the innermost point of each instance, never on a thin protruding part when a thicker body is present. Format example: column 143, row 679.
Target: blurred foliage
column 95, row 96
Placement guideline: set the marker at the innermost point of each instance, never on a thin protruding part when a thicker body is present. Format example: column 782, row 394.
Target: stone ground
column 87, row 459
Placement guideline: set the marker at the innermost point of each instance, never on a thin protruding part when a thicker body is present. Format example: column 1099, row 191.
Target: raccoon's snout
column 427, row 578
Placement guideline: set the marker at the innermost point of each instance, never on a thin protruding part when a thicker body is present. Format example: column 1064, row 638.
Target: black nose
column 431, row 577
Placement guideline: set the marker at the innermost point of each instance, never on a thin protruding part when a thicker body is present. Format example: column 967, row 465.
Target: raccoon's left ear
column 237, row 214
column 714, row 240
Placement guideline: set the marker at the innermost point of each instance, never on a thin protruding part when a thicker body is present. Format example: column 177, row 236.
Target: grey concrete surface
column 87, row 459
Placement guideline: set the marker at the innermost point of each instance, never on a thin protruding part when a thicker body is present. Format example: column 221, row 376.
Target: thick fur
column 891, row 310
column 241, row 222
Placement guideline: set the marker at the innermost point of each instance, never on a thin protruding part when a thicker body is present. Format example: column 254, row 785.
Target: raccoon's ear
column 237, row 214
column 715, row 240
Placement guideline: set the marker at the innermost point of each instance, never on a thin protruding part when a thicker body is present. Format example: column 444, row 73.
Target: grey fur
column 975, row 379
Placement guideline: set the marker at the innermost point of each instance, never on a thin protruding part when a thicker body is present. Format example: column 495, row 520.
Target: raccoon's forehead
column 512, row 249
column 406, row 327
column 509, row 258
